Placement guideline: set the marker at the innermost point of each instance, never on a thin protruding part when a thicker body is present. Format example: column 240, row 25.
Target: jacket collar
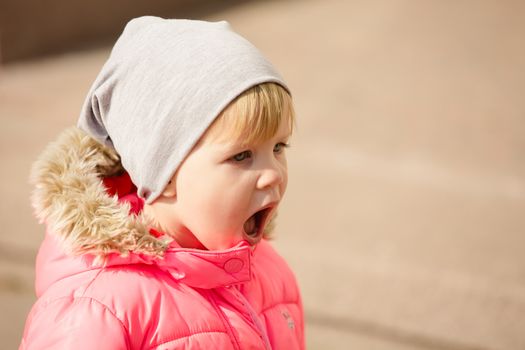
column 198, row 268
column 195, row 268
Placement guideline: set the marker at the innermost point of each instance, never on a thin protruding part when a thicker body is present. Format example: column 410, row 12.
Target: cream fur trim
column 70, row 197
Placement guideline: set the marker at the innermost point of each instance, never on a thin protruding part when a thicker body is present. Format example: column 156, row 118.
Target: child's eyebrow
column 230, row 146
column 285, row 135
column 226, row 145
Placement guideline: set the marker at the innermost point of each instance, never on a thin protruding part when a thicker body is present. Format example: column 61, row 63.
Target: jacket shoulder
column 73, row 323
column 273, row 274
column 273, row 282
column 151, row 307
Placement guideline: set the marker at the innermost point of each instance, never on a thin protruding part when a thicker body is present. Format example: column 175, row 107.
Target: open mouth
column 254, row 226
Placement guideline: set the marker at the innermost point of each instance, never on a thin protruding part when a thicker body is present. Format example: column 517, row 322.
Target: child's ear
column 170, row 190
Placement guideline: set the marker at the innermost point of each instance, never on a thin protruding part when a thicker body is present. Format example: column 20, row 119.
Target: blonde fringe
column 255, row 115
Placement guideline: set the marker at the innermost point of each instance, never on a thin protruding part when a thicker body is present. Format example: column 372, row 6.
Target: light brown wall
column 30, row 28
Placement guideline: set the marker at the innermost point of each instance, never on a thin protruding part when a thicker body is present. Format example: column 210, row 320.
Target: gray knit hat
column 164, row 83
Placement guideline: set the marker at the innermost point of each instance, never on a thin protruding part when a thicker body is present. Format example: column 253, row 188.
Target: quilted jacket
column 106, row 281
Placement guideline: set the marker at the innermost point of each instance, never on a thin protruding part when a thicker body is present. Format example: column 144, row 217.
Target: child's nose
column 270, row 177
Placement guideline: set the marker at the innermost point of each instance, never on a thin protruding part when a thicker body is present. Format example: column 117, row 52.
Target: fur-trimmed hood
column 70, row 197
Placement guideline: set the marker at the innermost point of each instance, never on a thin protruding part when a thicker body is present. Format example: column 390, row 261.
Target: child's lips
column 253, row 228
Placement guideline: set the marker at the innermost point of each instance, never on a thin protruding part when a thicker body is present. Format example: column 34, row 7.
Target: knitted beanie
column 165, row 82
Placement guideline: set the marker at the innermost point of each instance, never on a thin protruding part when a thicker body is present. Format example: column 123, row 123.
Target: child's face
column 215, row 193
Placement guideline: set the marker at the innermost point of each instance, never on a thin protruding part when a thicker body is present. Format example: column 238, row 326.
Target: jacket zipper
column 224, row 319
column 253, row 315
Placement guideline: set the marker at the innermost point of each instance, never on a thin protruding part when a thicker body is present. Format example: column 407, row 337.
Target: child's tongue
column 250, row 225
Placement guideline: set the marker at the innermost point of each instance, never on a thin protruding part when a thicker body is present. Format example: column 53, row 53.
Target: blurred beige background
column 405, row 214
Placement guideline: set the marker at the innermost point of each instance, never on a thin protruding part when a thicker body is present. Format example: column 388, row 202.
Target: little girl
column 159, row 203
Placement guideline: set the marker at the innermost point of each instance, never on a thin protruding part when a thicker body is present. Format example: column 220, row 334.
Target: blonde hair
column 254, row 116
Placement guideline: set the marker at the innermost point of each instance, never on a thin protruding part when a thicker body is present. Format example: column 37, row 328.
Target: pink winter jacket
column 104, row 281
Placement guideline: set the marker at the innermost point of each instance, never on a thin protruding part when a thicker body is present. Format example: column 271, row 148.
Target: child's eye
column 278, row 148
column 239, row 157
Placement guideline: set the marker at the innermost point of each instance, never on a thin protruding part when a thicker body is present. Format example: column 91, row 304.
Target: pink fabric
column 191, row 299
